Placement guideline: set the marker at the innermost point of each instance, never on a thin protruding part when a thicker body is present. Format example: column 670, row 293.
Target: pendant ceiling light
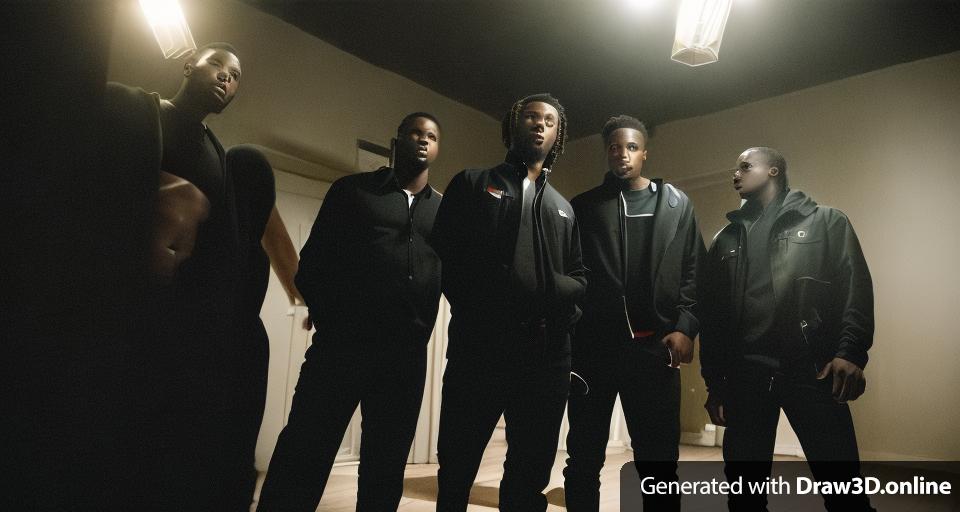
column 169, row 27
column 700, row 27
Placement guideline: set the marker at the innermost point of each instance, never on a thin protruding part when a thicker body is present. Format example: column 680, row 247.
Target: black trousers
column 517, row 377
column 650, row 395
column 386, row 379
column 824, row 427
column 187, row 450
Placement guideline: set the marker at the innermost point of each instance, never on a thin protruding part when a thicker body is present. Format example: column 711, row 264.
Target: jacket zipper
column 803, row 333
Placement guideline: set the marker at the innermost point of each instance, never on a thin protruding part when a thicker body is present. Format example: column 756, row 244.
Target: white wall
column 883, row 148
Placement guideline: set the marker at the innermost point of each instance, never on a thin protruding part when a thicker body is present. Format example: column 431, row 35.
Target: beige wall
column 883, row 148
column 300, row 95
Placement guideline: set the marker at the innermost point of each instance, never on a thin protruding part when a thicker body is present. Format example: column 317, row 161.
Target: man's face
column 419, row 143
column 626, row 153
column 214, row 78
column 752, row 174
column 536, row 131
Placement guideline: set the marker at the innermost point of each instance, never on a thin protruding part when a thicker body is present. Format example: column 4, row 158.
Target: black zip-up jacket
column 369, row 268
column 476, row 236
column 676, row 250
column 819, row 277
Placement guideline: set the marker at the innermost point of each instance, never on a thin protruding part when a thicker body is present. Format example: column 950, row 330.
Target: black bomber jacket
column 819, row 276
column 476, row 235
column 675, row 252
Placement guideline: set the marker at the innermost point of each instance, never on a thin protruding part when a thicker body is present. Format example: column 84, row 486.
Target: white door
column 298, row 201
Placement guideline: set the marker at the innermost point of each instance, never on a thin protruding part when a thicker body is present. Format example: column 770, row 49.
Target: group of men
column 611, row 288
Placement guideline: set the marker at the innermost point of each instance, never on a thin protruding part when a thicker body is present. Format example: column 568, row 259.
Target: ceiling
column 607, row 57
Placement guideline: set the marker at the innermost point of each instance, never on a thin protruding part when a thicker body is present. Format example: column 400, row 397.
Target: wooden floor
column 420, row 481
column 420, row 485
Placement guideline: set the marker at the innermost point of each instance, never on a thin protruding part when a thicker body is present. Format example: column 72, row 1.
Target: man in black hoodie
column 642, row 246
column 513, row 274
column 788, row 318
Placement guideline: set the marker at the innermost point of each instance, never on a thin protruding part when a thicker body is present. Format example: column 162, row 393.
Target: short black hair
column 509, row 124
column 774, row 159
column 408, row 120
column 623, row 121
column 218, row 45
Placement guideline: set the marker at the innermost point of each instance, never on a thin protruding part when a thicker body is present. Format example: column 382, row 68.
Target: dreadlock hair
column 509, row 125
column 408, row 120
column 214, row 46
column 774, row 159
column 623, row 121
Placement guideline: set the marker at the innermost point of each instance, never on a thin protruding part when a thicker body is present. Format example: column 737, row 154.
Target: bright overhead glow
column 700, row 27
column 169, row 27
column 639, row 4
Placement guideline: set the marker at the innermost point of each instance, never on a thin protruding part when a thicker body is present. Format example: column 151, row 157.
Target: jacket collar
column 386, row 177
column 520, row 167
column 795, row 202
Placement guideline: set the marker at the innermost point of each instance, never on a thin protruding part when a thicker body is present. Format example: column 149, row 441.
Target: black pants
column 650, row 395
column 250, row 398
column 825, row 429
column 185, row 440
column 386, row 378
column 517, row 377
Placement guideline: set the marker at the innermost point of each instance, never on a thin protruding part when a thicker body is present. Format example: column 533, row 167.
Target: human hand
column 680, row 346
column 848, row 380
column 714, row 407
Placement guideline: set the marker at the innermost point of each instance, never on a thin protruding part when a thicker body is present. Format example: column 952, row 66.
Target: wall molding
column 304, row 168
column 703, row 180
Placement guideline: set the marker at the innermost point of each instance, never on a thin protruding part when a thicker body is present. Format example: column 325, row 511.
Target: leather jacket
column 819, row 277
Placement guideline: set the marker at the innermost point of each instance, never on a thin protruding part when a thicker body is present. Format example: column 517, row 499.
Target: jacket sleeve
column 855, row 287
column 451, row 238
column 693, row 256
column 713, row 342
column 321, row 275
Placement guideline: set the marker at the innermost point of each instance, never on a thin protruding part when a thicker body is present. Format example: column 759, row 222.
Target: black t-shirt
column 526, row 280
column 639, row 207
column 202, row 305
column 758, row 325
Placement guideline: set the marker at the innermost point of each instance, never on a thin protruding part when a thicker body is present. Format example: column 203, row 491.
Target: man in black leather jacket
column 512, row 272
column 642, row 246
column 787, row 321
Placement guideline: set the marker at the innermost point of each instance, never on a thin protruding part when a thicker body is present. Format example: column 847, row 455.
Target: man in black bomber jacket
column 787, row 310
column 512, row 272
column 642, row 246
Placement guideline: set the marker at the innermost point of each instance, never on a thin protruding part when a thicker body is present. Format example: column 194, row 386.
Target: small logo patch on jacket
column 495, row 192
column 563, row 213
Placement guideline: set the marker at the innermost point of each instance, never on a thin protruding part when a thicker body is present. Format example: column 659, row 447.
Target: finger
column 674, row 356
column 837, row 383
column 846, row 388
column 722, row 416
column 825, row 371
column 686, row 355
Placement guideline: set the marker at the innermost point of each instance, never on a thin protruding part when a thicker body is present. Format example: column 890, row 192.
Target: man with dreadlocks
column 642, row 245
column 513, row 274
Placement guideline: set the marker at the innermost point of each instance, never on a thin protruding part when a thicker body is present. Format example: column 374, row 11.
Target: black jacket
column 819, row 277
column 476, row 236
column 675, row 253
column 369, row 268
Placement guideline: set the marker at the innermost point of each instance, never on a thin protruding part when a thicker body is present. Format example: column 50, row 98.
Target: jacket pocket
column 815, row 299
